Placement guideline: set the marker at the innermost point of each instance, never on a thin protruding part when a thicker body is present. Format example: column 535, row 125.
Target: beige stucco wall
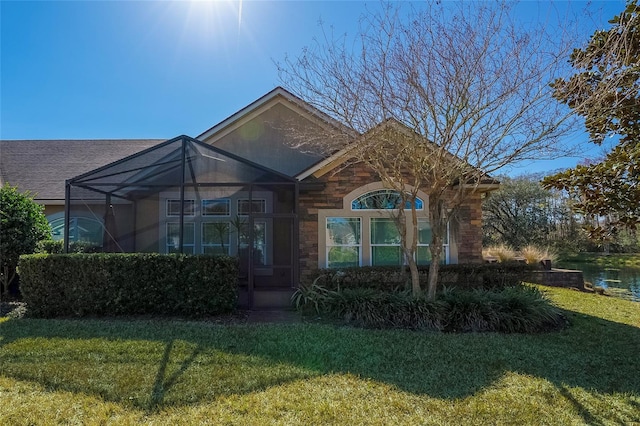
column 264, row 139
column 147, row 225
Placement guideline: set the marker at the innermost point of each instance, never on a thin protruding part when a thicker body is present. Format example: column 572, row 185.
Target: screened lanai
column 184, row 196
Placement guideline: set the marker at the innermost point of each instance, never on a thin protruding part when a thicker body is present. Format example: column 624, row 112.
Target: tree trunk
column 437, row 220
column 410, row 254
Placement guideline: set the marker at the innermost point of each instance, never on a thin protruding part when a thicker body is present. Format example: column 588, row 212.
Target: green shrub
column 393, row 278
column 57, row 247
column 22, row 225
column 128, row 284
column 520, row 309
column 50, row 247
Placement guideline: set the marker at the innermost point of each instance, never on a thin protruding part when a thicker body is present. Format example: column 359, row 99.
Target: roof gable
column 340, row 157
column 264, row 132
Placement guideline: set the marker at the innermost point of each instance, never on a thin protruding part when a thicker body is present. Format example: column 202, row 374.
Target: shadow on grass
column 152, row 364
column 163, row 383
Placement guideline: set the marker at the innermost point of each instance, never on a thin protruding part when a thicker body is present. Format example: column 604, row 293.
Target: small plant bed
column 516, row 309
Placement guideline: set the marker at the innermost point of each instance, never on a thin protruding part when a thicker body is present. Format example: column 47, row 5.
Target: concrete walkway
column 273, row 316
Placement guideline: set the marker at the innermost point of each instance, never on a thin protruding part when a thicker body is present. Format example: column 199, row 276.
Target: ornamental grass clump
column 533, row 254
column 502, row 253
column 517, row 309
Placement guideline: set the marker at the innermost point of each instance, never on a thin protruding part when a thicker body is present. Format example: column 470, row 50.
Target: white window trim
column 168, row 200
column 366, row 216
column 198, row 218
column 227, row 215
column 204, row 245
column 264, row 200
column 328, row 246
column 167, row 245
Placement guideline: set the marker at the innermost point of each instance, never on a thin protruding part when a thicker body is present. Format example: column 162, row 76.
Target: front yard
column 179, row 372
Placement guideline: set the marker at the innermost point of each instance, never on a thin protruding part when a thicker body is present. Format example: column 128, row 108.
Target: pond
column 623, row 282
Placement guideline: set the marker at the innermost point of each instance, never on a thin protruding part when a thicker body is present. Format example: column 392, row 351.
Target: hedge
column 107, row 284
column 471, row 276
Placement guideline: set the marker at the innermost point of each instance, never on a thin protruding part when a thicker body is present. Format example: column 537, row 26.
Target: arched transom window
column 383, row 199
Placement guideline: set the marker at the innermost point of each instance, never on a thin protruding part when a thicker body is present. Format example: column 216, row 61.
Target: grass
column 178, row 372
column 606, row 260
column 533, row 254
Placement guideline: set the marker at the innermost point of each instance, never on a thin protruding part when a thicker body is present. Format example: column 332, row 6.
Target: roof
column 487, row 183
column 43, row 166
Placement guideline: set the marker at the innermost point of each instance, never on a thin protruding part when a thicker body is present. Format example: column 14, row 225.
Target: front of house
column 241, row 188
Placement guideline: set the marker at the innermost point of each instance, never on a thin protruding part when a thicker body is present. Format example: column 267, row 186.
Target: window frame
column 204, row 245
column 263, row 206
column 369, row 194
column 184, row 245
column 226, row 201
column 329, row 246
column 373, row 245
column 169, row 201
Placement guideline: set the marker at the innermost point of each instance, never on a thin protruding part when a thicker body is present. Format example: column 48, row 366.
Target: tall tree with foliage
column 517, row 214
column 522, row 212
column 605, row 91
column 22, row 226
column 467, row 82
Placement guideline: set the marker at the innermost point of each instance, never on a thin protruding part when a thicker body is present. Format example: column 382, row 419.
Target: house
column 240, row 188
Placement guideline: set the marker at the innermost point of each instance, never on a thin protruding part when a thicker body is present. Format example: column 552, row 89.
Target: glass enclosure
column 184, row 196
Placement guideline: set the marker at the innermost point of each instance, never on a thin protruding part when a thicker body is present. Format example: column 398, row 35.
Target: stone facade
column 465, row 231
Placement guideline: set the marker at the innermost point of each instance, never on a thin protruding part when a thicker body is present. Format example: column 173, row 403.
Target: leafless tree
column 436, row 98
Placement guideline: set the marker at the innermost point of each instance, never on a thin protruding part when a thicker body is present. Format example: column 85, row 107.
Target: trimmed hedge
column 471, row 276
column 106, row 284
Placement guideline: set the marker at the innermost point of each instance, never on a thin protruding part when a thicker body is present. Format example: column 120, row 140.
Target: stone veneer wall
column 467, row 227
column 337, row 186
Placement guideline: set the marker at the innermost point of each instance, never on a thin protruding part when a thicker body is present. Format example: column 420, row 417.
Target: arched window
column 83, row 229
column 383, row 199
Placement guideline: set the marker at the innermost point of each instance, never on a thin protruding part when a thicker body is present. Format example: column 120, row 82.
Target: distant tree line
column 522, row 212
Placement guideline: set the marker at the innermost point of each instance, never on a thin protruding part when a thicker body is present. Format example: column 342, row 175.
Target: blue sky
column 151, row 69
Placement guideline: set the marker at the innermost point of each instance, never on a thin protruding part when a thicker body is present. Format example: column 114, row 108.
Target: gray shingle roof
column 42, row 166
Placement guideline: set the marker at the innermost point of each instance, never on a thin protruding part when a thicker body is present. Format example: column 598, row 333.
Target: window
column 259, row 242
column 424, row 239
column 257, row 206
column 173, row 237
column 385, row 242
column 173, row 208
column 215, row 238
column 219, row 207
column 383, row 199
column 343, row 242
column 216, row 223
column 364, row 233
column 84, row 229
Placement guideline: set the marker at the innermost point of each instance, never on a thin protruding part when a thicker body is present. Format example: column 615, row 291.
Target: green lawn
column 177, row 372
column 606, row 260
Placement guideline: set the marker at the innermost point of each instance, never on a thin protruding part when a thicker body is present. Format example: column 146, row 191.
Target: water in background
column 623, row 282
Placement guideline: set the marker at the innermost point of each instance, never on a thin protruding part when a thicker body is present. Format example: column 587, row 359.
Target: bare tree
column 438, row 98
